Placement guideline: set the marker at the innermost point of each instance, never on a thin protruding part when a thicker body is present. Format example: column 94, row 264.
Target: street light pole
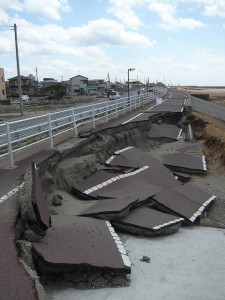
column 128, row 86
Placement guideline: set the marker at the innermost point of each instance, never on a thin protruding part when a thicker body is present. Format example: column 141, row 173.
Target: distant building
column 82, row 85
column 3, row 95
column 96, row 86
column 28, row 86
column 78, row 85
column 47, row 82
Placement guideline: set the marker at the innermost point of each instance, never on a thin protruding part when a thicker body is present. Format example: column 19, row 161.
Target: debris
column 80, row 243
column 110, row 208
column 186, row 201
column 185, row 162
column 168, row 131
column 148, row 222
column 145, row 259
column 57, row 200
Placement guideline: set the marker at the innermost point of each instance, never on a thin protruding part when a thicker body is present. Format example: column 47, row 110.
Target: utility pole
column 36, row 80
column 18, row 71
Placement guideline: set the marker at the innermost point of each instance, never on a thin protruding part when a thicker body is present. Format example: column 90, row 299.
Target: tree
column 57, row 90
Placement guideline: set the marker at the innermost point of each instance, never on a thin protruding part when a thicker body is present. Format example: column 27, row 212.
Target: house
column 78, row 85
column 28, row 86
column 96, row 86
column 82, row 85
column 47, row 82
column 3, row 95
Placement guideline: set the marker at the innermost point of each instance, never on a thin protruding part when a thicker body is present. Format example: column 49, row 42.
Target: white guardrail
column 20, row 134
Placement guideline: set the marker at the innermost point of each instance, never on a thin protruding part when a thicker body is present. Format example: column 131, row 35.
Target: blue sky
column 176, row 42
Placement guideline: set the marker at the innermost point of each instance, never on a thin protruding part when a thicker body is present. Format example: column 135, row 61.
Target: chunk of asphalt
column 172, row 132
column 80, row 243
column 144, row 180
column 110, row 208
column 148, row 222
column 38, row 200
column 185, row 162
column 186, row 201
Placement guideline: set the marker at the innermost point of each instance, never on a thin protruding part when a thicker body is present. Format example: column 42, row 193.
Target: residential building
column 96, row 86
column 82, row 85
column 3, row 95
column 28, row 86
column 78, row 85
column 47, row 82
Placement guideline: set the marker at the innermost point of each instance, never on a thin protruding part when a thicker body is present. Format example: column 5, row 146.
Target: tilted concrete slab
column 110, row 208
column 141, row 181
column 132, row 156
column 185, row 162
column 164, row 131
column 95, row 179
column 38, row 200
column 186, row 201
column 148, row 222
column 80, row 243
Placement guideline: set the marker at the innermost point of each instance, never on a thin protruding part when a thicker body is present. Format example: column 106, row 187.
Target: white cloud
column 167, row 13
column 209, row 7
column 50, row 9
column 124, row 11
column 110, row 32
column 215, row 8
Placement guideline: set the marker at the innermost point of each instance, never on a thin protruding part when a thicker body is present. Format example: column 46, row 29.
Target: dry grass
column 216, row 95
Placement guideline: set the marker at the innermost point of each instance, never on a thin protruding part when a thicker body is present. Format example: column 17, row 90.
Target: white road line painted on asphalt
column 132, row 118
column 12, row 192
column 142, row 113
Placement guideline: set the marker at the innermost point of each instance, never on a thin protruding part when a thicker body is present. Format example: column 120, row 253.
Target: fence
column 20, row 134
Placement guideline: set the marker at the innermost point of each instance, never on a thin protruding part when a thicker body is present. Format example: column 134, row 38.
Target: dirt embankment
column 210, row 130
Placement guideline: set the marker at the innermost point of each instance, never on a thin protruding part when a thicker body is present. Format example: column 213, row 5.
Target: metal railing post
column 107, row 112
column 50, row 131
column 10, row 156
column 124, row 107
column 93, row 115
column 116, row 109
column 75, row 124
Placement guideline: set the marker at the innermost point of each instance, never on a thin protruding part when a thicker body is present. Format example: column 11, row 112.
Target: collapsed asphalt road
column 79, row 163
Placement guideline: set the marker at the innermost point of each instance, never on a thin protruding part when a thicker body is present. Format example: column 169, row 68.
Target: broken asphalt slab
column 141, row 181
column 134, row 157
column 148, row 222
column 164, row 131
column 186, row 201
column 110, row 208
column 185, row 162
column 80, row 243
